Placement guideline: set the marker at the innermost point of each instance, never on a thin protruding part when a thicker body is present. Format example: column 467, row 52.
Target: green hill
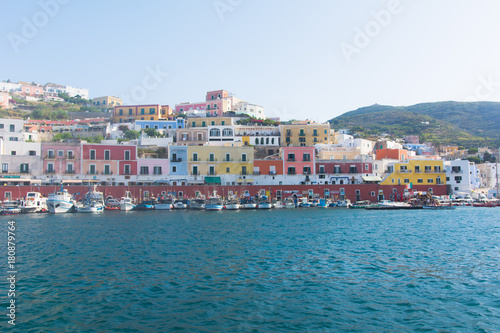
column 470, row 125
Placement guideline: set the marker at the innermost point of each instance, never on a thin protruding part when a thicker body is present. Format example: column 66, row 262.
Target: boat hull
column 59, row 206
column 163, row 207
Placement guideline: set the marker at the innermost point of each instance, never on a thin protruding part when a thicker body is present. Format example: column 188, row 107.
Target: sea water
column 280, row 270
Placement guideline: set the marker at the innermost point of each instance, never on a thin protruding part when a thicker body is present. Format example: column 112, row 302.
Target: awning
column 371, row 178
column 196, row 181
column 71, row 181
column 212, row 180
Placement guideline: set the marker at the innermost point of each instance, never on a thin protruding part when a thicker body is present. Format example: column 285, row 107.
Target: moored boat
column 10, row 207
column 289, row 203
column 126, row 202
column 181, row 204
column 34, row 202
column 263, row 203
column 214, row 204
column 248, row 203
column 232, row 204
column 93, row 202
column 197, row 204
column 60, row 202
column 145, row 205
column 164, row 204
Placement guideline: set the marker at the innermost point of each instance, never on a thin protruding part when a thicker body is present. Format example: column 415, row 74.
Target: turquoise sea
column 283, row 270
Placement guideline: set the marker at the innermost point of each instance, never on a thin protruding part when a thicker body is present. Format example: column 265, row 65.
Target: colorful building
column 210, row 121
column 304, row 135
column 61, row 158
column 129, row 113
column 416, row 172
column 268, row 167
column 219, row 160
column 156, row 167
column 392, row 154
column 298, row 160
column 104, row 159
column 4, row 100
column 106, row 102
column 178, row 157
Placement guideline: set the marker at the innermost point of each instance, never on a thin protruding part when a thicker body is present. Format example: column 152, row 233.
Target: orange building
column 393, row 154
column 268, row 167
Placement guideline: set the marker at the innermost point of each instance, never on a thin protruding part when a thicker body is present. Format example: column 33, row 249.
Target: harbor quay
column 353, row 192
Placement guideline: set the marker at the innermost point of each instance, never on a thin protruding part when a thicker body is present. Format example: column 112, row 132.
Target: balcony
column 315, row 134
column 306, row 159
column 213, row 173
column 69, row 171
column 50, row 157
column 243, row 173
column 306, row 172
column 50, row 171
column 456, row 171
column 70, row 157
column 92, row 173
column 228, row 160
column 291, row 172
column 108, row 173
column 195, row 160
column 24, row 171
column 302, row 134
column 272, row 172
column 291, row 159
column 404, row 171
column 211, row 160
column 177, row 160
column 197, row 173
column 256, row 173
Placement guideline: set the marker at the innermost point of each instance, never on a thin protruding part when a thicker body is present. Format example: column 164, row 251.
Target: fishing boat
column 233, row 204
column 164, row 204
column 289, row 203
column 387, row 204
column 198, row 203
column 10, row 207
column 278, row 204
column 344, row 203
column 214, row 204
column 314, row 202
column 248, row 203
column 263, row 203
column 60, row 202
column 323, row 203
column 126, row 202
column 181, row 204
column 34, row 202
column 93, row 202
column 361, row 204
column 146, row 205
column 304, row 203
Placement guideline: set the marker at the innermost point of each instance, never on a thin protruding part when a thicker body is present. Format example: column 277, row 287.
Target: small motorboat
column 34, row 202
column 289, row 203
column 181, row 204
column 126, row 202
column 164, row 204
column 214, row 204
column 233, row 204
column 146, row 205
column 263, row 203
column 197, row 204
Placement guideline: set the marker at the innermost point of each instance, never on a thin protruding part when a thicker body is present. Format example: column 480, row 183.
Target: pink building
column 216, row 103
column 153, row 166
column 4, row 100
column 31, row 90
column 109, row 159
column 298, row 160
column 61, row 158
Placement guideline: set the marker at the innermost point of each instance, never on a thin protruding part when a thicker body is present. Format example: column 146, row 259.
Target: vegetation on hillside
column 444, row 123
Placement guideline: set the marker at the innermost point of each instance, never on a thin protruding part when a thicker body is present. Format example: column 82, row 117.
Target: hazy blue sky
column 299, row 59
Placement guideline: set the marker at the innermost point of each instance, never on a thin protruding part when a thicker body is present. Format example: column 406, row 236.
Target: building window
column 336, row 169
column 12, row 128
column 228, row 157
column 13, row 152
column 127, row 155
column 174, row 169
column 32, row 153
column 126, row 169
column 50, row 168
column 69, row 168
column 92, row 154
column 291, row 170
column 243, row 170
column 406, row 181
column 430, row 181
column 129, row 112
column 120, row 112
column 13, row 138
column 5, row 167
column 214, row 132
column 243, row 157
column 142, row 111
column 144, row 170
column 194, row 170
column 228, row 170
column 420, row 181
column 92, row 169
column 24, row 168
column 107, row 155
column 157, row 170
column 306, row 157
column 211, row 157
column 60, row 153
column 106, row 169
column 321, row 169
column 227, row 132
column 195, row 157
column 307, row 170
column 152, row 111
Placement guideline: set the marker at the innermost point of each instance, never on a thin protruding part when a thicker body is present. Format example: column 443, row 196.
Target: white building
column 10, row 87
column 488, row 172
column 21, row 158
column 51, row 88
column 12, row 129
column 252, row 110
column 365, row 146
column 461, row 176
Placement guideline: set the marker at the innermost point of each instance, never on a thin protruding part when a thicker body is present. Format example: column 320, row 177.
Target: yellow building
column 340, row 153
column 129, row 113
column 304, row 135
column 417, row 172
column 220, row 160
column 209, row 121
column 106, row 102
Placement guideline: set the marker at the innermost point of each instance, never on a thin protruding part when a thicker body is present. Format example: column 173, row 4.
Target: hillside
column 456, row 123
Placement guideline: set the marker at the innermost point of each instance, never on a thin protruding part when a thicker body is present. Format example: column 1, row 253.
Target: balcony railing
column 70, row 157
column 195, row 173
column 194, row 160
column 211, row 160
column 306, row 172
column 50, row 157
column 256, row 173
column 176, row 159
column 69, row 171
column 272, row 172
column 107, row 173
column 50, row 171
column 24, row 171
column 243, row 173
column 307, row 159
column 291, row 159
column 302, row 134
column 456, row 171
column 213, row 173
column 228, row 160
column 404, row 171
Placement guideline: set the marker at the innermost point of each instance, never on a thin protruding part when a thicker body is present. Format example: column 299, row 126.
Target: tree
column 472, row 151
column 123, row 128
column 152, row 133
column 131, row 135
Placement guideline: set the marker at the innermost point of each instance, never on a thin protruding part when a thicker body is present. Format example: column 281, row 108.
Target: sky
column 299, row 59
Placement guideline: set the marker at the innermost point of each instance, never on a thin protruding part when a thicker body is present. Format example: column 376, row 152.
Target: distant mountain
column 469, row 124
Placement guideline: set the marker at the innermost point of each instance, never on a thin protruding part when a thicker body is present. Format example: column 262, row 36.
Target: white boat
column 214, row 204
column 344, row 203
column 181, row 204
column 262, row 203
column 278, row 204
column 197, row 203
column 289, row 203
column 10, row 207
column 112, row 203
column 60, row 202
column 93, row 202
column 390, row 204
column 248, row 203
column 233, row 204
column 323, row 203
column 164, row 204
column 304, row 203
column 126, row 202
column 34, row 202
column 314, row 203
